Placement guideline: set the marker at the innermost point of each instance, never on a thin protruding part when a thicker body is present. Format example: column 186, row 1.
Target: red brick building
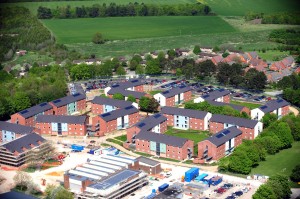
column 174, row 96
column 103, row 105
column 186, row 118
column 11, row 131
column 164, row 145
column 115, row 120
column 69, row 105
column 250, row 128
column 220, row 144
column 156, row 123
column 27, row 117
column 61, row 125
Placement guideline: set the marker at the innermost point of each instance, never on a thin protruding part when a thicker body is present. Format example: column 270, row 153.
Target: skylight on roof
column 115, row 86
column 157, row 115
column 129, row 107
column 181, row 86
column 226, row 132
column 56, row 101
column 220, row 135
column 43, row 104
column 141, row 124
column 133, row 81
column 165, row 92
column 105, row 114
column 222, row 89
column 77, row 94
column 264, row 107
column 205, row 96
column 23, row 112
column 280, row 100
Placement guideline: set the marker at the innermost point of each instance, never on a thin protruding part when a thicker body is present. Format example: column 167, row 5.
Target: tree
column 118, row 96
column 140, row 70
column 22, row 180
column 133, row 64
column 295, row 175
column 283, row 132
column 268, row 119
column 57, row 192
column 44, row 13
column 20, row 101
column 197, row 50
column 216, row 49
column 225, row 54
column 148, row 104
column 131, row 98
column 120, row 71
column 178, row 72
column 255, row 79
column 240, row 163
column 98, row 38
column 280, row 186
column 171, row 54
column 152, row 67
column 264, row 192
column 81, row 71
column 48, row 191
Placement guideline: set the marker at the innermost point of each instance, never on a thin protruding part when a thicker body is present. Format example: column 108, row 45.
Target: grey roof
column 148, row 123
column 16, row 128
column 175, row 91
column 234, row 106
column 128, row 84
column 253, row 54
column 286, row 72
column 161, row 138
column 233, row 120
column 111, row 102
column 148, row 161
column 183, row 112
column 68, row 99
column 15, row 195
column 223, row 136
column 275, row 76
column 116, row 178
column 24, row 141
column 61, row 119
column 118, row 113
column 126, row 93
column 273, row 105
column 32, row 111
column 216, row 94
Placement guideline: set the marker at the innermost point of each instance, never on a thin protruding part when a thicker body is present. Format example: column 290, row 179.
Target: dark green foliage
column 44, row 13
column 205, row 106
column 295, row 175
column 140, row 69
column 268, row 119
column 255, row 79
column 264, row 192
column 114, row 10
column 98, row 38
column 148, row 104
column 288, row 36
column 197, row 50
column 276, row 18
column 294, row 124
column 131, row 98
column 120, row 71
column 230, row 74
column 291, row 88
column 20, row 29
column 225, row 54
column 283, row 132
column 240, row 163
column 118, row 96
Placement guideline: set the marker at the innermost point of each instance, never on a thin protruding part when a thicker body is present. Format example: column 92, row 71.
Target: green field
column 241, row 7
column 33, row 6
column 246, row 104
column 273, row 55
column 70, row 31
column 280, row 163
column 196, row 136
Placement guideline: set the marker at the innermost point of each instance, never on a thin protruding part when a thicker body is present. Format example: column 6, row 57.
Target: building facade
column 28, row 116
column 220, row 95
column 69, row 105
column 102, row 105
column 62, row 125
column 174, row 97
column 11, row 131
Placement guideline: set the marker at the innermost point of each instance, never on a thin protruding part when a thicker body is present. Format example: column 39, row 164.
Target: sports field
column 241, row 7
column 33, row 6
column 69, row 31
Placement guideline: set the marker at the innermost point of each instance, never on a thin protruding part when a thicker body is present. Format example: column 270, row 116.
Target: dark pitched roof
column 175, row 91
column 27, row 113
column 234, row 120
column 118, row 113
column 16, row 128
column 234, row 106
column 61, row 119
column 161, row 138
column 151, row 121
column 68, row 99
column 128, row 84
column 215, row 94
column 273, row 105
column 111, row 102
column 184, row 112
column 24, row 141
column 223, row 136
column 15, row 195
column 148, row 161
column 126, row 93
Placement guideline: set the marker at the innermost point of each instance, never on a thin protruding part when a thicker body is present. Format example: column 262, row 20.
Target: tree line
column 279, row 135
column 41, row 84
column 291, row 88
column 275, row 18
column 130, row 9
column 21, row 30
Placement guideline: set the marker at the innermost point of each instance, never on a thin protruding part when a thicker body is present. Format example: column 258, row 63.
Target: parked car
column 238, row 193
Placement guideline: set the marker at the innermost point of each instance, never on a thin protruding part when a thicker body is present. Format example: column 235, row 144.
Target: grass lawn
column 143, row 154
column 122, row 138
column 280, row 163
column 241, row 7
column 194, row 135
column 115, row 141
column 246, row 104
column 69, row 31
column 33, row 6
column 273, row 55
column 30, row 58
column 154, row 92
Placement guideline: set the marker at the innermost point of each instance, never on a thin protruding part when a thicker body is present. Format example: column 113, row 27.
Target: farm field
column 70, row 31
column 33, row 6
column 241, row 7
column 280, row 163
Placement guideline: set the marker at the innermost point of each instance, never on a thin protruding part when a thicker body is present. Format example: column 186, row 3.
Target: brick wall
column 170, row 101
column 196, row 124
column 134, row 118
column 73, row 129
column 139, row 88
column 81, row 105
column 97, row 109
column 187, row 96
column 285, row 110
column 215, row 127
column 226, row 99
column 246, row 110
